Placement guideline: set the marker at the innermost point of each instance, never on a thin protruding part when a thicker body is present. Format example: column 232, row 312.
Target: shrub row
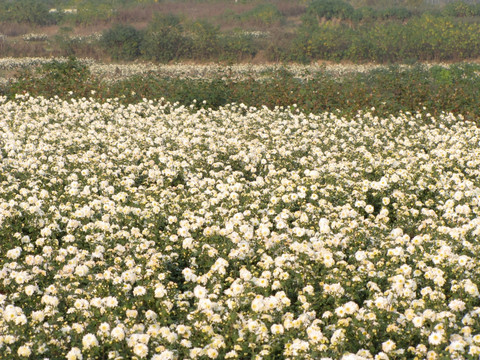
column 330, row 30
column 167, row 39
column 389, row 90
column 425, row 38
column 338, row 9
column 422, row 38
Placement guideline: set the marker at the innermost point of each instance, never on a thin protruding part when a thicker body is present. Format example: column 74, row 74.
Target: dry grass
column 24, row 49
column 14, row 29
column 198, row 11
column 290, row 9
column 138, row 14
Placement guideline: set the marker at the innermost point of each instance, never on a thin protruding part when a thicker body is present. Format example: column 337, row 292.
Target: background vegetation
column 384, row 31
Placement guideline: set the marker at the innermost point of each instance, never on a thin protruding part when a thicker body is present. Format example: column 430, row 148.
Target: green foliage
column 205, row 42
column 395, row 13
column 369, row 14
column 377, row 30
column 325, row 42
column 365, row 13
column 56, row 78
column 32, row 12
column 264, row 14
column 423, row 38
column 92, row 12
column 122, row 42
column 238, row 46
column 330, row 9
column 461, row 9
column 164, row 39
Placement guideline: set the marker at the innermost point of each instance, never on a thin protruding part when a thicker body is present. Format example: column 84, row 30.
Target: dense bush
column 329, row 9
column 238, row 46
column 328, row 41
column 122, row 42
column 205, row 42
column 422, row 38
column 397, row 13
column 32, row 12
column 264, row 14
column 169, row 38
column 461, row 9
column 365, row 14
column 165, row 39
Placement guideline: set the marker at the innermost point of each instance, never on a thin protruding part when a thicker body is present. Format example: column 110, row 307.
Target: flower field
column 160, row 231
column 115, row 72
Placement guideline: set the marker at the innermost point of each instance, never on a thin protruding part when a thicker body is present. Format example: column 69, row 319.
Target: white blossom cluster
column 89, row 39
column 35, row 37
column 153, row 231
column 12, row 63
column 256, row 34
column 114, row 72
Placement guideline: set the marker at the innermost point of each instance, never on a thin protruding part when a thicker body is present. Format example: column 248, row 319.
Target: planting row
column 436, row 88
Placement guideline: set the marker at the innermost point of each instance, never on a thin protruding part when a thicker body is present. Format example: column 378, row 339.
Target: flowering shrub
column 11, row 63
column 89, row 39
column 35, row 37
column 153, row 231
column 434, row 88
column 198, row 71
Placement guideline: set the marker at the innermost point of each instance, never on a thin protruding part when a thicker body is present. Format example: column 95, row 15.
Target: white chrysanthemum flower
column 141, row 350
column 24, row 351
column 257, row 304
column 457, row 305
column 14, row 253
column 200, row 292
column 369, row 209
column 110, row 302
column 160, row 291
column 118, row 333
column 164, row 355
column 139, row 291
column 104, row 327
column 277, row 329
column 388, row 346
column 89, row 341
column 417, row 321
column 74, row 354
column 324, row 226
column 435, row 338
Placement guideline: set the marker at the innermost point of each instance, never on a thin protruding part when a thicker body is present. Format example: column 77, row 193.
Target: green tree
column 329, row 9
column 28, row 11
column 164, row 39
column 205, row 40
column 265, row 14
column 122, row 42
